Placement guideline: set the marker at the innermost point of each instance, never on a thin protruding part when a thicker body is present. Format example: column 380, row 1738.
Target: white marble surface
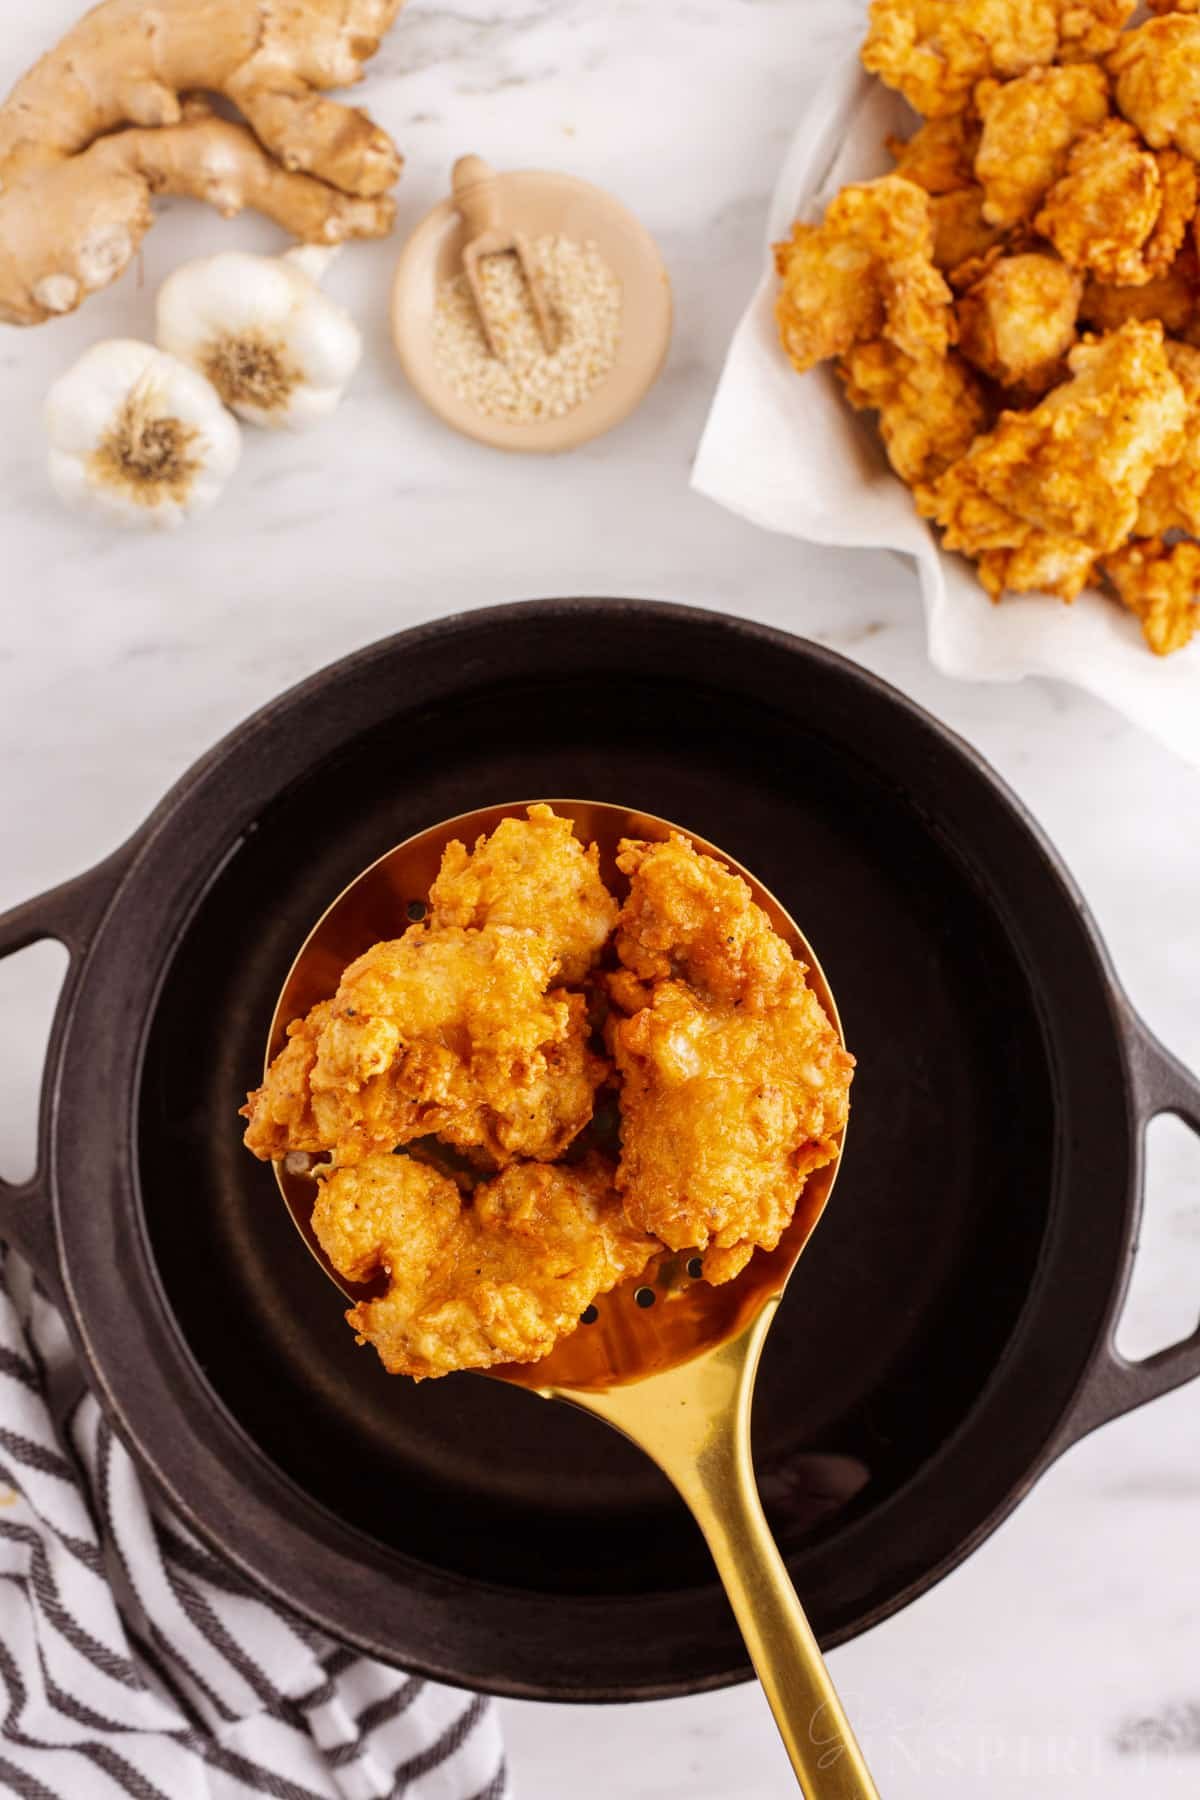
column 121, row 659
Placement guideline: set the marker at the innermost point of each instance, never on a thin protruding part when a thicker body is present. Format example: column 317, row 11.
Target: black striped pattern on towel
column 134, row 1662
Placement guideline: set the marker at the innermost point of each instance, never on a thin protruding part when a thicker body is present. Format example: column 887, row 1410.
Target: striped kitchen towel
column 134, row 1662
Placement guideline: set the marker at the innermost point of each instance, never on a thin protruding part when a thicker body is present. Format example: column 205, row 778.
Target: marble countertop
column 1064, row 1658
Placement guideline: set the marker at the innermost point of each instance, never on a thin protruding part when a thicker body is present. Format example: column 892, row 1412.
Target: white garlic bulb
column 137, row 437
column 278, row 351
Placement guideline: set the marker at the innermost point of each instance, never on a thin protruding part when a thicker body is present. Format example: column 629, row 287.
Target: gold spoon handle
column 694, row 1420
column 816, row 1732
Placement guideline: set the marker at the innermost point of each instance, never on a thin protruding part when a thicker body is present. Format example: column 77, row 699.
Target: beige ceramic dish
column 539, row 203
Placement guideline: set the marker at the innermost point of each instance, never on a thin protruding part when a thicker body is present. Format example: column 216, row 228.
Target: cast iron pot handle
column 1114, row 1386
column 70, row 914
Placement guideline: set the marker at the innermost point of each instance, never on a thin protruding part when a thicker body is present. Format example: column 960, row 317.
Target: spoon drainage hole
column 416, row 910
column 589, row 1315
column 695, row 1267
column 644, row 1296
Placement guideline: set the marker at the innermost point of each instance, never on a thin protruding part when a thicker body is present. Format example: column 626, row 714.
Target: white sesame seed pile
column 524, row 383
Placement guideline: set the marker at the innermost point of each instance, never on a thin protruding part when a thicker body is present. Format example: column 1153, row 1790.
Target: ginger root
column 111, row 117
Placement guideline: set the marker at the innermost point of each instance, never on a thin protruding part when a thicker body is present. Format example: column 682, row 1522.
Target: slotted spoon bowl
column 672, row 1363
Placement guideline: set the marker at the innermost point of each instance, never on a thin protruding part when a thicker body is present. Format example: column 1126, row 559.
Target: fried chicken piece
column 1012, row 555
column 930, row 408
column 1119, row 210
column 1171, row 499
column 532, row 873
column 499, row 1278
column 1041, row 564
column 1180, row 189
column 441, row 1032
column 734, row 1083
column 1017, row 322
column 864, row 273
column 1076, row 464
column 1029, row 126
column 1171, row 298
column 934, row 51
column 961, row 234
column 1162, row 588
column 1157, row 75
column 450, row 1030
column 940, row 157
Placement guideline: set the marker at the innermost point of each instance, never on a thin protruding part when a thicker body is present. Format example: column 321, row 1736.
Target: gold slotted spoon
column 676, row 1375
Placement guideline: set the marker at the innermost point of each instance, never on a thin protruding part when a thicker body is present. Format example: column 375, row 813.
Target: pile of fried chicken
column 1019, row 302
column 489, row 1027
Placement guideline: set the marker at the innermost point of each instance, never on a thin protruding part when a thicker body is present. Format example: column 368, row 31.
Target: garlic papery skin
column 278, row 351
column 137, row 437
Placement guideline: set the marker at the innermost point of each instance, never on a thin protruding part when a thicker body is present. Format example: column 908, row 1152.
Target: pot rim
column 136, row 863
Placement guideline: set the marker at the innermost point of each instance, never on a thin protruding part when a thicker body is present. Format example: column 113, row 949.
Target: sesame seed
column 523, row 383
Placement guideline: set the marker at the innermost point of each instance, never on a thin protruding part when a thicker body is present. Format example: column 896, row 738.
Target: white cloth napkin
column 134, row 1663
column 786, row 452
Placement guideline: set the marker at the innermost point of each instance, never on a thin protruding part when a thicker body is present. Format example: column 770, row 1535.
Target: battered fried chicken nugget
column 1162, row 588
column 441, row 1032
column 450, row 1030
column 535, row 874
column 1170, row 298
column 1040, row 564
column 1119, row 211
column 864, row 273
column 929, row 408
column 961, row 234
column 1012, row 555
column 498, row 1278
column 1029, row 126
column 940, row 157
column 1017, row 322
column 1171, row 499
column 934, row 51
column 1157, row 74
column 1075, row 466
column 734, row 1083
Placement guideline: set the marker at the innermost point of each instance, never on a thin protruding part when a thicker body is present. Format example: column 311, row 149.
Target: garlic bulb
column 278, row 351
column 137, row 437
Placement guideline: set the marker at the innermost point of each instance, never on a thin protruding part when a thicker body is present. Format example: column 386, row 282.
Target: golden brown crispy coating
column 934, row 51
column 535, row 874
column 1162, row 588
column 864, row 273
column 940, row 157
column 1171, row 498
column 1011, row 553
column 498, row 1278
column 1091, row 29
column 458, row 1028
column 1180, row 188
column 1120, row 211
column 1029, row 126
column 1157, row 75
column 734, row 1083
column 961, row 234
column 929, row 408
column 441, row 1032
column 1076, row 464
column 1102, row 209
column 1017, row 322
column 281, row 1112
column 1040, row 564
column 1170, row 298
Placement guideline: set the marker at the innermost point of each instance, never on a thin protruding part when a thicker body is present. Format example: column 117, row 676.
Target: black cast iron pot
column 947, row 1335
